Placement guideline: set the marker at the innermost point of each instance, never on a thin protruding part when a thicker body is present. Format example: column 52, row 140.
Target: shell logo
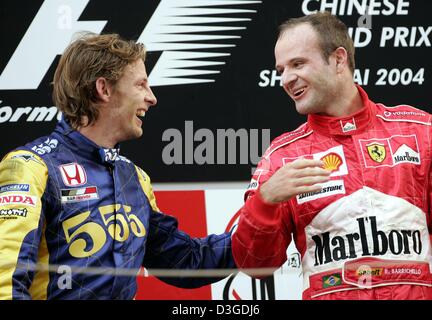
column 332, row 161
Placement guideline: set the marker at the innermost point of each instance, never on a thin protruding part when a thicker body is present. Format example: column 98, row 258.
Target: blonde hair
column 86, row 59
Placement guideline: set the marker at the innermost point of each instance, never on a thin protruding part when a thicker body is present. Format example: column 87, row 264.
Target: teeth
column 140, row 113
column 299, row 92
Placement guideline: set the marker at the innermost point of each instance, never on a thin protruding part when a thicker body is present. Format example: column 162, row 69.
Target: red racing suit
column 365, row 235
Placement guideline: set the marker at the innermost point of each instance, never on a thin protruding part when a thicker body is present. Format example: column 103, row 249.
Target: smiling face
column 130, row 100
column 306, row 77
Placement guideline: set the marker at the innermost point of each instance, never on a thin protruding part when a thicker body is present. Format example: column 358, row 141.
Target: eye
column 298, row 64
column 142, row 84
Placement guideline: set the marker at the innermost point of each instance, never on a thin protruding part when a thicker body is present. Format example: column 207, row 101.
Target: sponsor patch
column 328, row 189
column 253, row 185
column 332, row 280
column 109, row 155
column 333, row 159
column 370, row 272
column 294, row 260
column 368, row 238
column 73, row 174
column 332, row 162
column 14, row 187
column 46, row 147
column 77, row 195
column 364, row 270
column 377, row 151
column 405, row 114
column 389, row 152
column 408, row 115
column 12, row 213
column 26, row 158
column 18, row 199
column 348, row 126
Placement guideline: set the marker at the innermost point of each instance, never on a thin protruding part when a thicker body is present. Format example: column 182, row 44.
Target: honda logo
column 73, row 174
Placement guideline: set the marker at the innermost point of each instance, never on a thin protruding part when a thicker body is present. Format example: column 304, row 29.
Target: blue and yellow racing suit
column 67, row 203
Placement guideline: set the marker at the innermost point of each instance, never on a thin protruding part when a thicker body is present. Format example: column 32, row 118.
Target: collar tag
column 348, row 125
column 109, row 155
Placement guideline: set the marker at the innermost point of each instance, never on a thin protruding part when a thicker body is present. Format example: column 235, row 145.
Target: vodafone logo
column 73, row 174
column 404, row 114
column 18, row 199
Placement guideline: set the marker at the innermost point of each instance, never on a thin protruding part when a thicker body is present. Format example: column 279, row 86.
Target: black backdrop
column 235, row 99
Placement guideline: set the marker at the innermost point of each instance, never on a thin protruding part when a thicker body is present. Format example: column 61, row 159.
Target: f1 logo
column 73, row 174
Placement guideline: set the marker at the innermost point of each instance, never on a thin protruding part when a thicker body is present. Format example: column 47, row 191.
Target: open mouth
column 140, row 114
column 299, row 92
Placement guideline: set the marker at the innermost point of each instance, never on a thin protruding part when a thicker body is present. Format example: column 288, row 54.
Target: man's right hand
column 294, row 178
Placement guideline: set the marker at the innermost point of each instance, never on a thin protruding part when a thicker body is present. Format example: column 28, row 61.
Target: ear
column 341, row 58
column 104, row 89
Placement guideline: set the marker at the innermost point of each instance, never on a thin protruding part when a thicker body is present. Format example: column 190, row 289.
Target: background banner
column 211, row 65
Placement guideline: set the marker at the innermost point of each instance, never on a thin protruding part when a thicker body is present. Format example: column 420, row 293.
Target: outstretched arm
column 170, row 248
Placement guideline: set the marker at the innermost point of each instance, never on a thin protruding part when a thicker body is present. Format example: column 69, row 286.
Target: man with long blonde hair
column 71, row 200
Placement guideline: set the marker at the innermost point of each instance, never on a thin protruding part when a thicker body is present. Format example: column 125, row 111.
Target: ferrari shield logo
column 377, row 152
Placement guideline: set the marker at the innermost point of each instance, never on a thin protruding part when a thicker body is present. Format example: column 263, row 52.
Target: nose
column 288, row 78
column 150, row 98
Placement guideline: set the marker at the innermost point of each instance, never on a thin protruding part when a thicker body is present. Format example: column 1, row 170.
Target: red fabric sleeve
column 261, row 238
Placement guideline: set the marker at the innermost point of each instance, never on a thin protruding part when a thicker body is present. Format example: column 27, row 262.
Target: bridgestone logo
column 397, row 242
column 324, row 190
column 333, row 187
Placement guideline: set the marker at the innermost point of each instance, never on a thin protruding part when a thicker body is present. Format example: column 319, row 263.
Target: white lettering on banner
column 361, row 78
column 183, row 25
column 176, row 27
column 360, row 36
column 392, row 77
column 362, row 7
column 404, row 77
column 212, row 147
column 30, row 114
column 269, row 78
column 53, row 27
column 406, row 37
